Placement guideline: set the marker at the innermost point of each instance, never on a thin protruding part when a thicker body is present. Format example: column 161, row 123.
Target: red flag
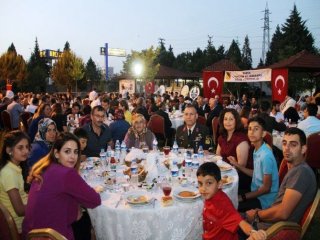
column 279, row 83
column 149, row 87
column 212, row 83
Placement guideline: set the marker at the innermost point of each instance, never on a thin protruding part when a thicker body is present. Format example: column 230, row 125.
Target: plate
column 138, row 198
column 93, row 159
column 186, row 194
column 225, row 168
column 227, row 180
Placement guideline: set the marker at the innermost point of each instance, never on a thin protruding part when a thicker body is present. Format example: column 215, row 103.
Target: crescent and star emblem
column 281, row 78
column 215, row 80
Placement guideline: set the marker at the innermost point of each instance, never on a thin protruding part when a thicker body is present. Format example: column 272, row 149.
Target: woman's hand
column 258, row 235
column 233, row 161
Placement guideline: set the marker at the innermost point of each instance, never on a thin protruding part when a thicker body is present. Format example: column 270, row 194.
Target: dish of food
column 186, row 194
column 137, row 198
column 224, row 168
column 226, row 180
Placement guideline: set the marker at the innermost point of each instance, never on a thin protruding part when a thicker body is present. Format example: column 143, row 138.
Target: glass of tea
column 166, row 188
column 166, row 150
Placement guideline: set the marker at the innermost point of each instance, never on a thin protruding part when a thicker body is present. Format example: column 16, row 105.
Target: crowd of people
column 39, row 165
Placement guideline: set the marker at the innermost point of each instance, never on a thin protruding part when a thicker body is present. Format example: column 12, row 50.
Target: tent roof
column 303, row 61
column 223, row 65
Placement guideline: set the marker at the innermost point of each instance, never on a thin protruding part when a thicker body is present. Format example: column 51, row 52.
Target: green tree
column 211, row 55
column 275, row 46
column 165, row 58
column 246, row 57
column 12, row 67
column 38, row 72
column 147, row 58
column 92, row 73
column 67, row 46
column 234, row 53
column 68, row 70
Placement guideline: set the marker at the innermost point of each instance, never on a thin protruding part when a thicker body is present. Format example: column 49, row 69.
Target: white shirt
column 310, row 125
column 93, row 95
column 289, row 103
column 278, row 116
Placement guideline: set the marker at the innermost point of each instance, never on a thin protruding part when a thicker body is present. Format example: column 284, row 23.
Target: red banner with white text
column 279, row 84
column 212, row 83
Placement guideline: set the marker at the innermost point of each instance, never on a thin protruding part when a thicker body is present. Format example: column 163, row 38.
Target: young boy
column 220, row 219
column 83, row 139
column 265, row 179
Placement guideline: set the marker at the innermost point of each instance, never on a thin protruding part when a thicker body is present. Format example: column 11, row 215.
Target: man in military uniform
column 192, row 134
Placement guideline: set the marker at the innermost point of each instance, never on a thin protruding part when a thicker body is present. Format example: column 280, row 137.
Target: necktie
column 189, row 133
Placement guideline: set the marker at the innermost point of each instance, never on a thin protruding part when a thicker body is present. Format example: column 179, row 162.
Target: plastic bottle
column 102, row 155
column 123, row 152
column 175, row 147
column 200, row 154
column 134, row 172
column 155, row 145
column 117, row 149
column 174, row 169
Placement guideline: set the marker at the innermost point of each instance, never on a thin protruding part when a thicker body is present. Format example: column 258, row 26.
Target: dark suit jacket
column 202, row 110
column 167, row 121
column 111, row 111
column 143, row 110
column 213, row 113
column 199, row 136
column 271, row 123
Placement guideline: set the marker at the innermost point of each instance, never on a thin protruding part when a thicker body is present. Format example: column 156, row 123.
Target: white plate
column 179, row 190
column 225, row 167
column 228, row 181
column 137, row 198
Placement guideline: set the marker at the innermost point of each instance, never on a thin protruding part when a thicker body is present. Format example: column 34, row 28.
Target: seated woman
column 57, row 190
column 15, row 150
column 123, row 105
column 42, row 111
column 139, row 135
column 233, row 142
column 44, row 139
column 119, row 127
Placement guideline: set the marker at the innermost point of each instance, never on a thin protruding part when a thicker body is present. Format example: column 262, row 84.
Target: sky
column 139, row 24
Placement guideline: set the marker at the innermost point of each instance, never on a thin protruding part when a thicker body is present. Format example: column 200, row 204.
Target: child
column 220, row 219
column 83, row 139
column 265, row 179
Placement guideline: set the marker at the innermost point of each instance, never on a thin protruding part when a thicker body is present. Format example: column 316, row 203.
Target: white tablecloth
column 176, row 121
column 180, row 221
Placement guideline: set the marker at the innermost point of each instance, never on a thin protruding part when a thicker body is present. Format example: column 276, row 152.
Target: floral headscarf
column 118, row 114
column 42, row 129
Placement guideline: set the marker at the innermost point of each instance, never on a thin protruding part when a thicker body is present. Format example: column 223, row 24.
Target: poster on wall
column 194, row 92
column 126, row 86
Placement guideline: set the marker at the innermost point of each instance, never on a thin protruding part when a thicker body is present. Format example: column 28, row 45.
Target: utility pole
column 266, row 33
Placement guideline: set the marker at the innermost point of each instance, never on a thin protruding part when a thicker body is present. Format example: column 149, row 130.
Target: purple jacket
column 55, row 202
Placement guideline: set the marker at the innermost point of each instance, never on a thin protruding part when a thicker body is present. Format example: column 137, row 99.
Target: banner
column 212, row 83
column 279, row 84
column 149, row 88
column 261, row 75
column 194, row 92
column 126, row 86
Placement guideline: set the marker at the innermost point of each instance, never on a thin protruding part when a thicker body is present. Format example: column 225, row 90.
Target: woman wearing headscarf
column 44, row 139
column 139, row 135
column 119, row 127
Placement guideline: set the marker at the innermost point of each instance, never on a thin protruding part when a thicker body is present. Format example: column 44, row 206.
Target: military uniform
column 199, row 136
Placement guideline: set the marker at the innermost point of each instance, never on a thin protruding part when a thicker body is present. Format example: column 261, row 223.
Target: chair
column 313, row 143
column 45, row 234
column 156, row 125
column 268, row 139
column 201, row 120
column 283, row 169
column 293, row 231
column 6, row 120
column 215, row 128
column 24, row 117
column 8, row 228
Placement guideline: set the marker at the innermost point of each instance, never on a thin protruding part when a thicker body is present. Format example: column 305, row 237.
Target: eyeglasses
column 98, row 116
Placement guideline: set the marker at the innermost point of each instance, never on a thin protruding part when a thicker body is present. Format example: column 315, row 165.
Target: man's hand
column 257, row 235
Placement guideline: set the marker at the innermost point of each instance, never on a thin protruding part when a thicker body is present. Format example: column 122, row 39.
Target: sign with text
column 261, row 75
column 116, row 52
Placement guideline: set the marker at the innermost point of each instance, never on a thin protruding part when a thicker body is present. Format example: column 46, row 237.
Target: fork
column 119, row 201
column 154, row 201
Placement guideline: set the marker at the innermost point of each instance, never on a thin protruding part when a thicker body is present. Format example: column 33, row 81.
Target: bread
column 186, row 194
column 166, row 201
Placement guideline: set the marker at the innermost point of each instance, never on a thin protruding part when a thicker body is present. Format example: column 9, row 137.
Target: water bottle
column 175, row 147
column 174, row 169
column 201, row 154
column 103, row 156
column 117, row 149
column 188, row 165
column 123, row 152
column 155, row 145
column 134, row 172
column 286, row 122
column 113, row 163
column 195, row 162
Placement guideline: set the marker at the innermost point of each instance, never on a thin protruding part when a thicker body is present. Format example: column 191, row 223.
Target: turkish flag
column 149, row 87
column 279, row 84
column 212, row 83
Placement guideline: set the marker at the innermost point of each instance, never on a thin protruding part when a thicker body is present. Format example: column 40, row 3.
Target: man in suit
column 192, row 134
column 106, row 105
column 167, row 122
column 215, row 109
column 201, row 106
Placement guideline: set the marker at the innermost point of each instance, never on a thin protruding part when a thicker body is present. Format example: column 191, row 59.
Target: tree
column 92, row 74
column 234, row 53
column 38, row 72
column 12, row 66
column 66, row 46
column 68, row 70
column 147, row 58
column 275, row 46
column 246, row 57
column 165, row 58
column 210, row 53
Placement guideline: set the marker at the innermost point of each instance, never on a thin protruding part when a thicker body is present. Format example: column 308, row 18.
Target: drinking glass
column 166, row 150
column 166, row 188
